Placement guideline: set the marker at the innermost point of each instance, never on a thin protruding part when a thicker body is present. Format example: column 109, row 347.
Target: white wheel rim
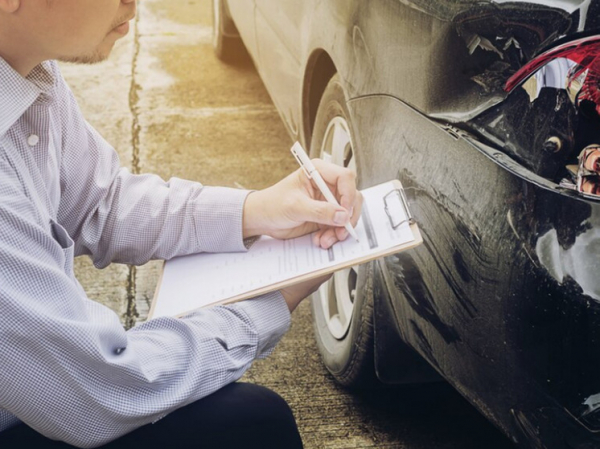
column 337, row 295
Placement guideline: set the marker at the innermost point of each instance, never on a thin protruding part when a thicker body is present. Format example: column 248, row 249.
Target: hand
column 294, row 294
column 295, row 206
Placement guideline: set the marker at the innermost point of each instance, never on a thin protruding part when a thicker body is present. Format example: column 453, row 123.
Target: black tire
column 349, row 359
column 227, row 44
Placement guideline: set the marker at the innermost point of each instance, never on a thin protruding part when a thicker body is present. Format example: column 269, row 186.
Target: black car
column 488, row 112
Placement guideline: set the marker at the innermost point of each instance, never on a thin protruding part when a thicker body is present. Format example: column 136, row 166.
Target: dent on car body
column 500, row 37
column 550, row 122
column 468, row 48
column 546, row 133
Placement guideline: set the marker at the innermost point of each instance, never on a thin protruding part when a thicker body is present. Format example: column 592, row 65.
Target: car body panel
column 503, row 297
column 477, row 302
column 279, row 48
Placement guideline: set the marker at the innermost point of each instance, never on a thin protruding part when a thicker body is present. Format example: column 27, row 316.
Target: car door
column 279, row 38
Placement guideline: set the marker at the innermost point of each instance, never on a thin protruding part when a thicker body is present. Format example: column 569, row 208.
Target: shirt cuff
column 270, row 316
column 218, row 213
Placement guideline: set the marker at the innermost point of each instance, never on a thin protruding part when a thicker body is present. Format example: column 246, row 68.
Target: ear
column 9, row 6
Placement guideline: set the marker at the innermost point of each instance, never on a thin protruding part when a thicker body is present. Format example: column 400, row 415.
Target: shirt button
column 33, row 140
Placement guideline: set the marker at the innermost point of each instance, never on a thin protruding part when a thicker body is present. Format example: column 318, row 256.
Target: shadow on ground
column 434, row 411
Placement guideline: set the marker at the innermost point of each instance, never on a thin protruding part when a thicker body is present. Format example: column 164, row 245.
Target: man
column 69, row 373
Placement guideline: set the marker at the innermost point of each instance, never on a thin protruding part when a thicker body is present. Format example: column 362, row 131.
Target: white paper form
column 198, row 280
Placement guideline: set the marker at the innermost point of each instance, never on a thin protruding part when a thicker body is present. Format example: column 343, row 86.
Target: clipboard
column 201, row 280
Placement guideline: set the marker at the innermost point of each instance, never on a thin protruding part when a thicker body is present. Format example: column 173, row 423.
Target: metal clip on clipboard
column 395, row 203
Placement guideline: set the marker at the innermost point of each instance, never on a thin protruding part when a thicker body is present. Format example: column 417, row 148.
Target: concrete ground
column 170, row 107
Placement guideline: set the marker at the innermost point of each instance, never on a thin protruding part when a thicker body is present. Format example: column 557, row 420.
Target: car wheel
column 342, row 308
column 225, row 40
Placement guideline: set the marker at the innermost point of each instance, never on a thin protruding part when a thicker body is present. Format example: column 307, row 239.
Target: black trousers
column 239, row 415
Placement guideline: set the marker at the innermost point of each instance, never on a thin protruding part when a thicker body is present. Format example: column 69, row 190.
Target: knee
column 264, row 404
column 267, row 413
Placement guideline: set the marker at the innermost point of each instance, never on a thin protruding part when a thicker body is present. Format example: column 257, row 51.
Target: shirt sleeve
column 68, row 368
column 116, row 216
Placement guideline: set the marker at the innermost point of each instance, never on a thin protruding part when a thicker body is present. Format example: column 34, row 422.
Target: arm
column 115, row 216
column 67, row 367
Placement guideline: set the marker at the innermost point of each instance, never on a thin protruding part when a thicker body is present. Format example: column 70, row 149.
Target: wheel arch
column 320, row 68
column 393, row 361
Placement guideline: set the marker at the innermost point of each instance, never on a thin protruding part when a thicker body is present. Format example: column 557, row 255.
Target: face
column 76, row 30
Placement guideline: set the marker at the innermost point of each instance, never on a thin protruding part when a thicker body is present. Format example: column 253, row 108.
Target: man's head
column 32, row 31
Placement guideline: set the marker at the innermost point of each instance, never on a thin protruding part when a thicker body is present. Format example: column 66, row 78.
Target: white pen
column 312, row 173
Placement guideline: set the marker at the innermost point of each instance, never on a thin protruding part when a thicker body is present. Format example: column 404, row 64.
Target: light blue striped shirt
column 67, row 367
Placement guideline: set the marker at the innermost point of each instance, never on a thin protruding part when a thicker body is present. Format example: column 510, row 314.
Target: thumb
column 322, row 212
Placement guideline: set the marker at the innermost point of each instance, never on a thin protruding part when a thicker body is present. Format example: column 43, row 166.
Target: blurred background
column 170, row 107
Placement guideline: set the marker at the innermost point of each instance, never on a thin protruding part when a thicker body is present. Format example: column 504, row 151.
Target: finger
column 324, row 238
column 328, row 238
column 321, row 212
column 356, row 210
column 341, row 234
column 317, row 236
column 343, row 180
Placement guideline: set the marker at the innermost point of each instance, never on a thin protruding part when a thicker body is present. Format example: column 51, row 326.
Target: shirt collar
column 17, row 93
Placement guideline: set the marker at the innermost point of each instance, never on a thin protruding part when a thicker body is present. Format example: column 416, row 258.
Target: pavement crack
column 134, row 97
column 131, row 313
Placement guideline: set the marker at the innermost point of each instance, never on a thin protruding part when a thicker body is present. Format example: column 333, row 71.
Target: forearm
column 114, row 215
column 143, row 217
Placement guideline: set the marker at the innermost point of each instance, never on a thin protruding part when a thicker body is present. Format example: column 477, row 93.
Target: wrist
column 253, row 215
column 290, row 299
